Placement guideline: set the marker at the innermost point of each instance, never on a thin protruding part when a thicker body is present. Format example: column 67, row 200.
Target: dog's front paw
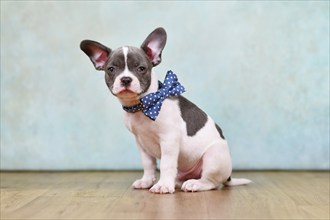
column 162, row 188
column 144, row 183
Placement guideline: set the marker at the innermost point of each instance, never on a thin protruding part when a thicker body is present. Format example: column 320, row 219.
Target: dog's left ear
column 154, row 44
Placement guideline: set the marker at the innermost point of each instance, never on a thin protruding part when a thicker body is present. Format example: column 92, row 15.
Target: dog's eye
column 111, row 69
column 141, row 69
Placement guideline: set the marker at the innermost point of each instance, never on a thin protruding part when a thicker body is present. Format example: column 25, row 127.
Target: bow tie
column 151, row 104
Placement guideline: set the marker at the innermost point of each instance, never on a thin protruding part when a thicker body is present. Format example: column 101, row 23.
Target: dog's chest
column 145, row 132
column 149, row 133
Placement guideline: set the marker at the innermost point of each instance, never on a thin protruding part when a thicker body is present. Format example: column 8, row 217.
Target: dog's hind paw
column 194, row 185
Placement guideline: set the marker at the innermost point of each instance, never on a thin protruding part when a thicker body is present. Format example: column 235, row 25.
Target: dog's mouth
column 128, row 97
column 125, row 91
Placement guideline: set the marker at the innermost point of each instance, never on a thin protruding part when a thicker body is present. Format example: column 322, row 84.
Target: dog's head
column 127, row 69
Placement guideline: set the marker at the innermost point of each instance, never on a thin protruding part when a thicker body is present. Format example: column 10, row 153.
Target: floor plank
column 108, row 195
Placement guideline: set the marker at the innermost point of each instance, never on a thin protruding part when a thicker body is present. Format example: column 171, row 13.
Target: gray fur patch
column 194, row 117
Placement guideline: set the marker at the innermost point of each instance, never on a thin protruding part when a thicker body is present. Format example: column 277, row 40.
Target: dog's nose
column 126, row 81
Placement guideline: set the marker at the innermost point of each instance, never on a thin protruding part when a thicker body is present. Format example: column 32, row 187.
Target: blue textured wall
column 260, row 69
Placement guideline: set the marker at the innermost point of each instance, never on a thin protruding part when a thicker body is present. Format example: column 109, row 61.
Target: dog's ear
column 97, row 52
column 154, row 44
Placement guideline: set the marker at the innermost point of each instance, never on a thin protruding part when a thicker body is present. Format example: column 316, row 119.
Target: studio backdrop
column 260, row 69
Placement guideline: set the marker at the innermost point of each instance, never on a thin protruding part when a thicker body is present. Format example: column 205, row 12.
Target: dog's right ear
column 97, row 52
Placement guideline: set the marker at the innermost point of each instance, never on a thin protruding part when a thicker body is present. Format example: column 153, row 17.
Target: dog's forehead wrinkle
column 117, row 52
column 128, row 50
column 136, row 56
column 116, row 57
column 134, row 49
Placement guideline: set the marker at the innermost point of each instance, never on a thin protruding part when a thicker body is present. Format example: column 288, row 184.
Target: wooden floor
column 108, row 195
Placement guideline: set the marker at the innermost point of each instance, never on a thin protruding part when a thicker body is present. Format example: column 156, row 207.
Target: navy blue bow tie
column 152, row 103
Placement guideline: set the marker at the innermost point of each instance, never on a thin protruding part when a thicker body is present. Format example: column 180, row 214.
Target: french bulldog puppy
column 192, row 149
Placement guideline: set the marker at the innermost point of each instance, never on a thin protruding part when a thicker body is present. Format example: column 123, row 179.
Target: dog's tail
column 236, row 182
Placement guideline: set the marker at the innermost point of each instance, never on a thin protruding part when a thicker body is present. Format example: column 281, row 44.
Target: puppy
column 191, row 146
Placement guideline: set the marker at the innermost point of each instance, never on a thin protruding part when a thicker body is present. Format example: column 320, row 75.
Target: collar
column 151, row 104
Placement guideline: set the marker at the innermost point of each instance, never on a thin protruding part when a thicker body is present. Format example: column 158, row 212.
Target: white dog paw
column 191, row 185
column 160, row 188
column 194, row 185
column 143, row 183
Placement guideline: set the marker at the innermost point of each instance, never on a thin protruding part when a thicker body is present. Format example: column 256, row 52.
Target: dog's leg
column 217, row 169
column 149, row 171
column 168, row 166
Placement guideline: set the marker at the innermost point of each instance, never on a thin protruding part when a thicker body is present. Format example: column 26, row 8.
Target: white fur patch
column 167, row 139
column 125, row 51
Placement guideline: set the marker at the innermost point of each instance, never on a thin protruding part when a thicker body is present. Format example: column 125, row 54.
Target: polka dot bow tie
column 151, row 104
